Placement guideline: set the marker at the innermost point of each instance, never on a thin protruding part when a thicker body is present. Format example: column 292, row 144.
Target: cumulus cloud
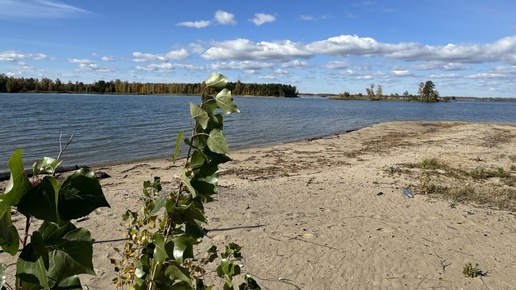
column 195, row 24
column 221, row 17
column 11, row 55
column 337, row 64
column 241, row 65
column 148, row 57
column 295, row 64
column 87, row 65
column 224, row 17
column 177, row 54
column 245, row 49
column 502, row 50
column 38, row 9
column 402, row 73
column 262, row 18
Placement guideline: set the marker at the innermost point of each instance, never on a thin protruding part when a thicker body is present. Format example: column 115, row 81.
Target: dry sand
column 329, row 213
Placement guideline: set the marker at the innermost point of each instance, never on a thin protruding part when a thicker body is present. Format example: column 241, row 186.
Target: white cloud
column 224, row 18
column 262, row 18
column 402, row 73
column 144, row 57
column 177, row 54
column 79, row 60
column 196, row 48
column 195, row 24
column 38, row 9
column 245, row 49
column 149, row 57
column 11, row 55
column 503, row 50
column 87, row 65
column 295, row 64
column 241, row 65
column 337, row 64
column 221, row 17
column 167, row 66
column 306, row 17
column 107, row 58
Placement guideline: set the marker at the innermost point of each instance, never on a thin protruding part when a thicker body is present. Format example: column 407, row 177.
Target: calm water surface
column 119, row 128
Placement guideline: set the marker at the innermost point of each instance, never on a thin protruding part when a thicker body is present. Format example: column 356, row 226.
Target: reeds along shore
column 329, row 213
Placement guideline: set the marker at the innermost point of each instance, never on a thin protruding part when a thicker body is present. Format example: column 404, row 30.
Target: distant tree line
column 426, row 93
column 21, row 85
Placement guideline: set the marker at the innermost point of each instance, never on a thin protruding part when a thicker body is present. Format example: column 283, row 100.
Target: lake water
column 119, row 128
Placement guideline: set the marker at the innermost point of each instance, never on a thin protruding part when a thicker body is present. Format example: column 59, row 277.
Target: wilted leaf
column 216, row 81
column 217, row 142
column 226, row 103
column 80, row 194
column 18, row 183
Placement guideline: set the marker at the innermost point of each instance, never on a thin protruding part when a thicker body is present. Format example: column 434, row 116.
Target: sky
column 465, row 47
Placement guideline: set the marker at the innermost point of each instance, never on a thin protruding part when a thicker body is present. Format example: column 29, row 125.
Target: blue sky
column 466, row 47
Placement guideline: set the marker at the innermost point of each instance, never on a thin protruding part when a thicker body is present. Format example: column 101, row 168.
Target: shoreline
column 329, row 212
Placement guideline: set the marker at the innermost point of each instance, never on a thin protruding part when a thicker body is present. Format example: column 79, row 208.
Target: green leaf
column 226, row 103
column 249, row 284
column 206, row 180
column 186, row 182
column 52, row 233
column 160, row 254
column 80, row 194
column 9, row 238
column 209, row 104
column 195, row 231
column 34, row 262
column 47, row 165
column 41, row 201
column 216, row 81
column 217, row 142
column 176, row 272
column 178, row 145
column 200, row 115
column 198, row 159
column 183, row 248
column 216, row 121
column 71, row 255
column 18, row 183
column 158, row 205
column 216, row 158
column 69, row 283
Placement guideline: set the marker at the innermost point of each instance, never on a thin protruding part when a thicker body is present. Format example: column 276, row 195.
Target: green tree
column 427, row 92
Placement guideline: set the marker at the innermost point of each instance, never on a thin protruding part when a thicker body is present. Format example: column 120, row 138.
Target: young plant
column 162, row 236
column 58, row 251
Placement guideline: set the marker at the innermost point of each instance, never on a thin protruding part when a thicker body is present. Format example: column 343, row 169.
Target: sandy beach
column 330, row 213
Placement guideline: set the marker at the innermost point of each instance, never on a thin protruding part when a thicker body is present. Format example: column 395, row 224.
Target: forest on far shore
column 44, row 85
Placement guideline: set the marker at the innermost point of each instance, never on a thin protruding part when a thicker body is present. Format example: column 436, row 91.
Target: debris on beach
column 407, row 193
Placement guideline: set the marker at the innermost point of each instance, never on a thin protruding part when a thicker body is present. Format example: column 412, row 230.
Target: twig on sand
column 288, row 281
